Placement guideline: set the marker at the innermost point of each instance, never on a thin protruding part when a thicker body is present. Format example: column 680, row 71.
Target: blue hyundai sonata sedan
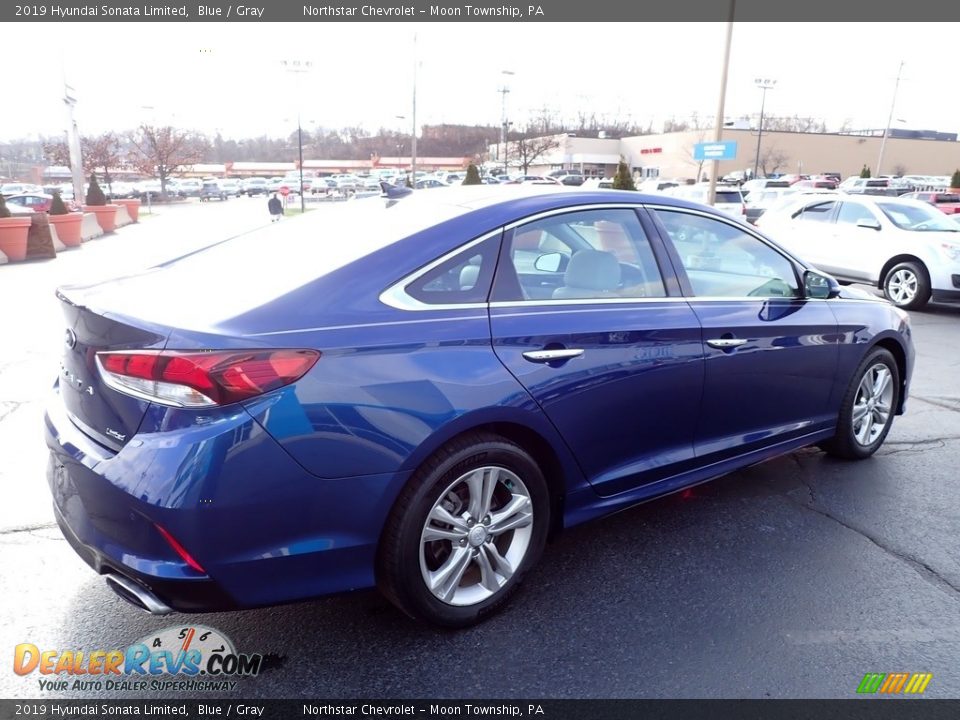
column 415, row 394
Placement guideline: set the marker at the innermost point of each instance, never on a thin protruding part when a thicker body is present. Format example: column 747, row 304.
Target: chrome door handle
column 545, row 356
column 724, row 343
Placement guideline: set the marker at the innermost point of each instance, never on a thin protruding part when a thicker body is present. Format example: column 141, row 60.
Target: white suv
column 907, row 248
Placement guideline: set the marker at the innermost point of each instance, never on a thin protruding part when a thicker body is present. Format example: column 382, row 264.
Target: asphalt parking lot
column 792, row 578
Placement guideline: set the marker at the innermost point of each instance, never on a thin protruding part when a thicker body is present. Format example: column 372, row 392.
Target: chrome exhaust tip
column 137, row 595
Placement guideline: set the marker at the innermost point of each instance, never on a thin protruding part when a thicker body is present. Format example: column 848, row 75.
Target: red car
column 946, row 202
column 38, row 202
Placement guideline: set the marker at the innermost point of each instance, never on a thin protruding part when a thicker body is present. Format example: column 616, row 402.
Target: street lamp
column 298, row 67
column 503, row 90
column 401, row 118
column 764, row 84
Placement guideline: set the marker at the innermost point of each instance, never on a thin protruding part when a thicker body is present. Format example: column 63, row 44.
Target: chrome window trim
column 397, row 297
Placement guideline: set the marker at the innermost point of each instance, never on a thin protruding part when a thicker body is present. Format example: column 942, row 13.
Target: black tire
column 921, row 281
column 845, row 444
column 399, row 571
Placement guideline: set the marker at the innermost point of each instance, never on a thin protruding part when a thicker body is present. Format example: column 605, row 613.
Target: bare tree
column 159, row 151
column 525, row 148
column 690, row 153
column 101, row 153
column 772, row 159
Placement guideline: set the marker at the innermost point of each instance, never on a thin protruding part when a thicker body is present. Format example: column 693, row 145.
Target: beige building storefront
column 670, row 155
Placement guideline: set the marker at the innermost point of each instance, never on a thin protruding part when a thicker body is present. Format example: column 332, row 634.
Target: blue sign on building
column 715, row 150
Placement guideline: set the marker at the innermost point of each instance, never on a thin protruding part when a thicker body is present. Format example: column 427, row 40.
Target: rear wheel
column 868, row 408
column 907, row 286
column 464, row 532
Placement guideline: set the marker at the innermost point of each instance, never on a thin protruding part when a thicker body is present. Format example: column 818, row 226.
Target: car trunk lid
column 107, row 416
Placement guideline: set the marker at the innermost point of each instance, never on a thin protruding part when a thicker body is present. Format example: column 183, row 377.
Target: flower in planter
column 57, row 206
column 95, row 195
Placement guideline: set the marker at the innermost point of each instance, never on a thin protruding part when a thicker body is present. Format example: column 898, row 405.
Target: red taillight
column 179, row 549
column 201, row 378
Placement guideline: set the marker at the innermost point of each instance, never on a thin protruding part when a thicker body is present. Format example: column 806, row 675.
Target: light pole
column 764, row 84
column 401, row 118
column 893, row 103
column 73, row 144
column 718, row 130
column 298, row 67
column 503, row 90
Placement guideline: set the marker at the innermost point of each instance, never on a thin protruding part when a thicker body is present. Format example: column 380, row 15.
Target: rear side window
column 463, row 278
column 818, row 212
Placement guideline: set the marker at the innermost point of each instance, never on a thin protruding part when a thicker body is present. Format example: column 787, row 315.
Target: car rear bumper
column 263, row 530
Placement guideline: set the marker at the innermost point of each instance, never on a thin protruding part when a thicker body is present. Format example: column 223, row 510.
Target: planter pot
column 133, row 207
column 13, row 237
column 106, row 216
column 68, row 228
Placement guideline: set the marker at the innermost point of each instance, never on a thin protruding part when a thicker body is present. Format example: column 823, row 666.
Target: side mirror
column 549, row 262
column 868, row 223
column 819, row 287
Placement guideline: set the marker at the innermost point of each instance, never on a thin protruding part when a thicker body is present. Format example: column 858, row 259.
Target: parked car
column 816, row 183
column 254, row 186
column 189, row 188
column 428, row 183
column 211, row 190
column 867, row 186
column 948, row 203
column 759, row 201
column 230, row 186
column 905, row 247
column 266, row 447
column 569, row 180
column 38, row 202
column 728, row 198
column 762, row 184
column 9, row 189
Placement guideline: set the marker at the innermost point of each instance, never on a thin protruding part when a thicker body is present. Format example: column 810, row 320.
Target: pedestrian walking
column 275, row 206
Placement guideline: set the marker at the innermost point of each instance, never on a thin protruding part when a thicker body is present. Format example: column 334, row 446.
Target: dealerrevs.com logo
column 184, row 658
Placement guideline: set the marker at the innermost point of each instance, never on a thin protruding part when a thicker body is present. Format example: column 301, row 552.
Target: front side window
column 592, row 254
column 722, row 260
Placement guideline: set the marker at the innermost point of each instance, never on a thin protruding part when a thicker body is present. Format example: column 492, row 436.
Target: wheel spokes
column 481, row 484
column 516, row 514
column 444, row 582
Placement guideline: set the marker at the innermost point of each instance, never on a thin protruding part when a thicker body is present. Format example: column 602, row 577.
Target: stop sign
column 284, row 191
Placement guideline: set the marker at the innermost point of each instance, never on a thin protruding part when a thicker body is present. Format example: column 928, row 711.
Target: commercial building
column 671, row 155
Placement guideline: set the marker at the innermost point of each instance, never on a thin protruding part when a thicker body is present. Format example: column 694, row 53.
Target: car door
column 770, row 354
column 860, row 241
column 583, row 316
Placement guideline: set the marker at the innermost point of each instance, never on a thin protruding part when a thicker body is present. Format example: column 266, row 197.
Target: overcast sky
column 228, row 77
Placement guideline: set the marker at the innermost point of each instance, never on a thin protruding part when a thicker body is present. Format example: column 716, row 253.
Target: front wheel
column 869, row 404
column 907, row 286
column 464, row 532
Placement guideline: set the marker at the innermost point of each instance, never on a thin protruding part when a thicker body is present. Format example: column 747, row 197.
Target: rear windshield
column 727, row 196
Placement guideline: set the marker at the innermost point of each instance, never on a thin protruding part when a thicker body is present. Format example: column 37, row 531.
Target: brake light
column 187, row 378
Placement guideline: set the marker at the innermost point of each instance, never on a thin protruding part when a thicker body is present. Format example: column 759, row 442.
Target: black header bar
column 259, row 11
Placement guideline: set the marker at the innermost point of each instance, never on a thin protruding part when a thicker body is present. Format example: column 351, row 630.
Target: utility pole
column 886, row 131
column 73, row 144
column 413, row 139
column 718, row 130
column 503, row 90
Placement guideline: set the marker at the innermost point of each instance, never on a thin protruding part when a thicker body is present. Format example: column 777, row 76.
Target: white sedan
column 907, row 248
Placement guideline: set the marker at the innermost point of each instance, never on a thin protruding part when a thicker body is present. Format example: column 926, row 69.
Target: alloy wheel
column 873, row 404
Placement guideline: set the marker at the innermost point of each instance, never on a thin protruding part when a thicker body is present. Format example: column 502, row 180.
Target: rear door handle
column 724, row 343
column 545, row 356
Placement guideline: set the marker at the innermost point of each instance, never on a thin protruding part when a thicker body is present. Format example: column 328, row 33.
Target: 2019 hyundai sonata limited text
column 414, row 394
